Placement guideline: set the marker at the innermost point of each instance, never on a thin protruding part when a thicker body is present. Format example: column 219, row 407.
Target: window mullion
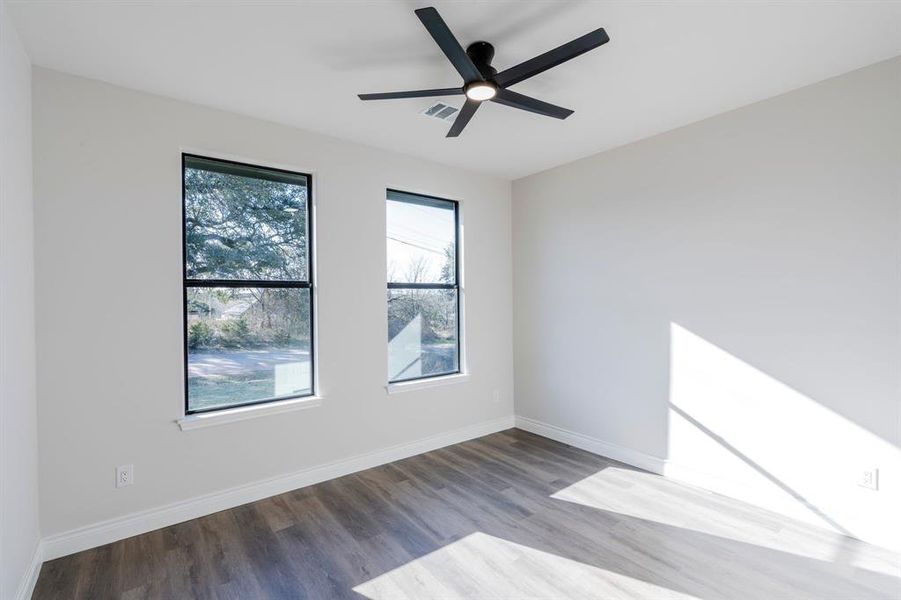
column 239, row 283
column 421, row 286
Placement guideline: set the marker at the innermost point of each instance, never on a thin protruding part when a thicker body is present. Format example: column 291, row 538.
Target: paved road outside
column 211, row 363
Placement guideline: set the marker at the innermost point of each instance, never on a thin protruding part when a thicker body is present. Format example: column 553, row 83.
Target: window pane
column 247, row 344
column 244, row 222
column 422, row 333
column 421, row 239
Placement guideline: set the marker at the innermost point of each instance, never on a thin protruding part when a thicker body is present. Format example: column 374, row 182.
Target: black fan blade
column 463, row 118
column 449, row 44
column 511, row 98
column 412, row 94
column 552, row 58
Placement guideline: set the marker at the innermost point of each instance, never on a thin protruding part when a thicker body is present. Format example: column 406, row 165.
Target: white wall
column 108, row 202
column 726, row 297
column 19, row 532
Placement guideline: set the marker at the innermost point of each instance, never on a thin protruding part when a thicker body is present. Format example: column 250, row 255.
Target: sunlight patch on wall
column 738, row 431
column 483, row 566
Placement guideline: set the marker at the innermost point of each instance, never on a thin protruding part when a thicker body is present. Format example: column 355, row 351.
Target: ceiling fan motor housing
column 481, row 54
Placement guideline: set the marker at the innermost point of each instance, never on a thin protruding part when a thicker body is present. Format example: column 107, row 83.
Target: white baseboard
column 26, row 587
column 622, row 454
column 112, row 530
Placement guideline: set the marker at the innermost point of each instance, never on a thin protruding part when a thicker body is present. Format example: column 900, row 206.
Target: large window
column 247, row 284
column 423, row 287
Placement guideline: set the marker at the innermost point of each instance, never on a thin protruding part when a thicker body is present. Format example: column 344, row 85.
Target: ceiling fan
column 482, row 82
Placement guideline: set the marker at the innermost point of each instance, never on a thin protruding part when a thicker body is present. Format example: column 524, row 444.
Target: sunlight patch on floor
column 483, row 566
column 652, row 498
column 655, row 499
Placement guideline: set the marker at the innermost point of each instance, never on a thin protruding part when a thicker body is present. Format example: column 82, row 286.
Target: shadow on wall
column 735, row 430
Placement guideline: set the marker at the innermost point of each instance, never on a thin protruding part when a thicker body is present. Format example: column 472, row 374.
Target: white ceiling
column 668, row 63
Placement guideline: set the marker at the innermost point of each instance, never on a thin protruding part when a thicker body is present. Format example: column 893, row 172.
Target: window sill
column 240, row 413
column 419, row 384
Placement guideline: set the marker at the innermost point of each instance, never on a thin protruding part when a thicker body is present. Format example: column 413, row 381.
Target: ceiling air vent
column 442, row 111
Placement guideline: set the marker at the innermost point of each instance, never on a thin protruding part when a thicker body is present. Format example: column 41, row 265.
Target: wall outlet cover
column 125, row 475
column 869, row 479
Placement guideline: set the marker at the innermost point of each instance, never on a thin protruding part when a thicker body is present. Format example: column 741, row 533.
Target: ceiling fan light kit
column 480, row 90
column 482, row 82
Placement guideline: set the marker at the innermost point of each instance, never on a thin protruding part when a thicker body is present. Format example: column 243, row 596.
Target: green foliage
column 448, row 269
column 244, row 228
column 437, row 309
column 196, row 307
column 200, row 335
column 281, row 338
column 235, row 333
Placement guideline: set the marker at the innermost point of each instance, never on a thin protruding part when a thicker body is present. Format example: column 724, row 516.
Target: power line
column 439, row 252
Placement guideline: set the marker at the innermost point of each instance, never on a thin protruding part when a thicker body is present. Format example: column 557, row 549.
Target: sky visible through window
column 418, row 240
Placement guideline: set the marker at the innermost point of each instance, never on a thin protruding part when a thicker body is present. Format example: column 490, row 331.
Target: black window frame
column 248, row 283
column 436, row 286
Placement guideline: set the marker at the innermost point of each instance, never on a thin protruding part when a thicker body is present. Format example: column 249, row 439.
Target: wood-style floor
column 511, row 515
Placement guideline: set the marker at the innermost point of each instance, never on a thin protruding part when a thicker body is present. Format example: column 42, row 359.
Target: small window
column 248, row 297
column 423, row 287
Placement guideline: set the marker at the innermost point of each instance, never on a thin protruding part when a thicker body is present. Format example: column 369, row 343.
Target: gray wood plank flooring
column 510, row 515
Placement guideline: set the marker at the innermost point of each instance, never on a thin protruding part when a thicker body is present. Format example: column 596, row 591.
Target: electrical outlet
column 869, row 479
column 496, row 396
column 125, row 475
